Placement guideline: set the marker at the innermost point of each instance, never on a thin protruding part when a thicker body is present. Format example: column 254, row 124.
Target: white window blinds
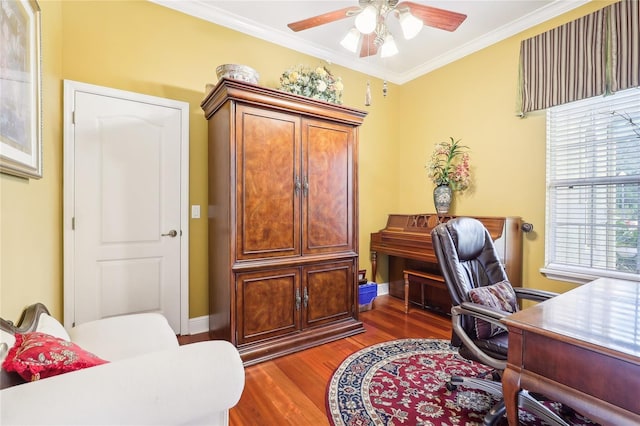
column 593, row 186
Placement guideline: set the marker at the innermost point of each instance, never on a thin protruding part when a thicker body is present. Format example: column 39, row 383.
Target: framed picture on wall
column 20, row 89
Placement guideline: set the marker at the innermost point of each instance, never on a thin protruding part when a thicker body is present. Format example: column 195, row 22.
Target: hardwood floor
column 291, row 390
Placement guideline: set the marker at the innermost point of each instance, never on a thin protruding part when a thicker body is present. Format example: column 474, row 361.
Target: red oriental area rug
column 402, row 382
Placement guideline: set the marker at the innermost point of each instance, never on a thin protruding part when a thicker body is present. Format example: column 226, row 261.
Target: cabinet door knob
column 305, row 186
column 297, row 299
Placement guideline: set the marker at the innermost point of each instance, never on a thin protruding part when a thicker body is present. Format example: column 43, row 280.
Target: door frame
column 70, row 89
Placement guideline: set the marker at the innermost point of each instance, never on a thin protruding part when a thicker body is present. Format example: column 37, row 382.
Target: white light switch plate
column 195, row 211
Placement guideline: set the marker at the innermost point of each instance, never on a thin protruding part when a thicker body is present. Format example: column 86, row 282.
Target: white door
column 126, row 219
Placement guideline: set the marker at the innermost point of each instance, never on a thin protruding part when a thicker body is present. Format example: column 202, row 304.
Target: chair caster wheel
column 450, row 386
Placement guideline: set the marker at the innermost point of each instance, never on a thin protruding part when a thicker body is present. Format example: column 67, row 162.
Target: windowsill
column 582, row 275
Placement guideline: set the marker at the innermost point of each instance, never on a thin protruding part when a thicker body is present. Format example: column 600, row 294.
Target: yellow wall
column 142, row 47
column 474, row 99
column 31, row 210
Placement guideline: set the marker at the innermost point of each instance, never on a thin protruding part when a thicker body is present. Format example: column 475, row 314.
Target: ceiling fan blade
column 433, row 16
column 368, row 46
column 325, row 18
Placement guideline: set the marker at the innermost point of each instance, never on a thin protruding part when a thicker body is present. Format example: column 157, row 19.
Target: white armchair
column 149, row 379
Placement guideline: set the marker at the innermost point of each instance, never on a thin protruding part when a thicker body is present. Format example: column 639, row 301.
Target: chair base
column 525, row 401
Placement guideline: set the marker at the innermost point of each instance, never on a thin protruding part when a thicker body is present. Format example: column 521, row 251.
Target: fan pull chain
column 367, row 95
column 384, row 88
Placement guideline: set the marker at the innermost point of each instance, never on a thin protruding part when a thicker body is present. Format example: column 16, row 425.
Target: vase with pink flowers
column 449, row 170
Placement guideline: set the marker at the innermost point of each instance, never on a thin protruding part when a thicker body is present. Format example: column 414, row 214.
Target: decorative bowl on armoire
column 238, row 72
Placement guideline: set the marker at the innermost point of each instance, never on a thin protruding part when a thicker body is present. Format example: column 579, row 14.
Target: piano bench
column 412, row 276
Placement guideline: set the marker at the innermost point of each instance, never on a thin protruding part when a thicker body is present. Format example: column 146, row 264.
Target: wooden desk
column 581, row 348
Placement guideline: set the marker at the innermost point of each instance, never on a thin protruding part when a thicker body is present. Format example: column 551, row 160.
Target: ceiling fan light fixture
column 367, row 19
column 410, row 25
column 350, row 41
column 389, row 48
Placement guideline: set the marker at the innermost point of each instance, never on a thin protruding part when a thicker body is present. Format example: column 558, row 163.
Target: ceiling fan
column 370, row 23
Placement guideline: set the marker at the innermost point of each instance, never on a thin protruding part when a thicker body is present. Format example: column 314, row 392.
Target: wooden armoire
column 283, row 219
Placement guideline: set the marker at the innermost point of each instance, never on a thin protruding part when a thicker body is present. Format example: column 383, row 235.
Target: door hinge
column 73, row 223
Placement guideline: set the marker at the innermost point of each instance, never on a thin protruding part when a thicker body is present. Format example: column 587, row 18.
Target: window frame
column 554, row 267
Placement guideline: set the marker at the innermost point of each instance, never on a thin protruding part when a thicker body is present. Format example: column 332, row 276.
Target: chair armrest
column 125, row 336
column 533, row 294
column 185, row 385
column 483, row 312
column 480, row 312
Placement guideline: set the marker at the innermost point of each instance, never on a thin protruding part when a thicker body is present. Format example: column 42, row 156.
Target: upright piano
column 406, row 240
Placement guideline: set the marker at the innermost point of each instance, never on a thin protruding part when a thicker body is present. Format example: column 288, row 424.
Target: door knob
column 171, row 233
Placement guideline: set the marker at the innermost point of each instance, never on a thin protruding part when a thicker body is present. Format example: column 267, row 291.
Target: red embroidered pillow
column 36, row 355
column 498, row 296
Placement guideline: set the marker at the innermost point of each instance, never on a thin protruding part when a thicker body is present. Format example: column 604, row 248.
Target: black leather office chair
column 480, row 295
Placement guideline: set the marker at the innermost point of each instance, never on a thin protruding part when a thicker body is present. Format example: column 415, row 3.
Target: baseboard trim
column 383, row 288
column 199, row 325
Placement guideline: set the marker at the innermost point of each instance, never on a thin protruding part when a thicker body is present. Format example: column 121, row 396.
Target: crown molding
column 208, row 11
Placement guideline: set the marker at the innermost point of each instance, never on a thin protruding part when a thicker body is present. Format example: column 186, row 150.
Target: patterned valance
column 594, row 55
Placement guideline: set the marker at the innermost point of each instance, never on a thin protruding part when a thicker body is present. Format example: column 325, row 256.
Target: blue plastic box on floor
column 366, row 294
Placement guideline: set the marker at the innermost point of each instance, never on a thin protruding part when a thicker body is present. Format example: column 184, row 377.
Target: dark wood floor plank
column 306, row 374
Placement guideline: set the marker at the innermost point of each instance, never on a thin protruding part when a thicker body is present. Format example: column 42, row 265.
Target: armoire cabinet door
column 268, row 186
column 283, row 228
column 327, row 292
column 268, row 304
column 328, row 183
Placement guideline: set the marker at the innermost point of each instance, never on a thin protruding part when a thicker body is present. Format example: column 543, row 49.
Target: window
column 593, row 188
